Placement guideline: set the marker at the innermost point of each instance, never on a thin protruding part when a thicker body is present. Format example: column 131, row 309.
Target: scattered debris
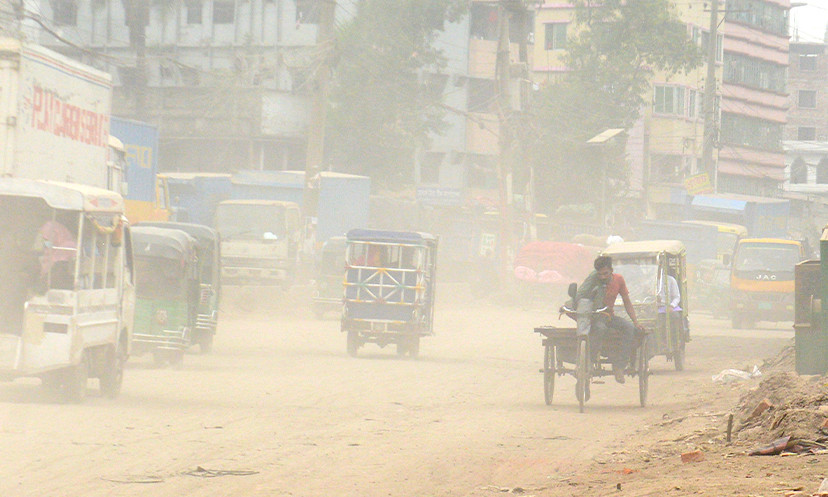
column 823, row 489
column 695, row 456
column 731, row 375
column 136, row 479
column 212, row 473
column 773, row 448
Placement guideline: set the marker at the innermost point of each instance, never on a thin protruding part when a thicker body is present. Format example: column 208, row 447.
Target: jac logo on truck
column 766, row 277
column 53, row 114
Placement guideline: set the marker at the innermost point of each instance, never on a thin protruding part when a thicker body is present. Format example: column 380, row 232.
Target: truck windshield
column 726, row 242
column 774, row 257
column 250, row 221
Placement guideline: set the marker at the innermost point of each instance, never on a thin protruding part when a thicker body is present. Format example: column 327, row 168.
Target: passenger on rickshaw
column 669, row 300
column 602, row 286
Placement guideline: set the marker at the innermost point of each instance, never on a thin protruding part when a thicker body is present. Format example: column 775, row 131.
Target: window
column 692, row 103
column 753, row 72
column 808, row 62
column 805, row 133
column 751, row 132
column 807, row 99
column 194, row 12
column 759, row 13
column 223, row 12
column 307, row 11
column 65, row 12
column 669, row 100
column 555, row 36
column 822, row 172
column 799, row 172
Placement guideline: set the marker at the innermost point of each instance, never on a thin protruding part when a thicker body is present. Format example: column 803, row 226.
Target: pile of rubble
column 786, row 413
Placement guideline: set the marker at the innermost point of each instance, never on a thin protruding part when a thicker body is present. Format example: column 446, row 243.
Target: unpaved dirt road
column 280, row 409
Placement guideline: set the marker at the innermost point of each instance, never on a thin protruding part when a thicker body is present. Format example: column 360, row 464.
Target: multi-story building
column 665, row 145
column 808, row 92
column 754, row 97
column 226, row 80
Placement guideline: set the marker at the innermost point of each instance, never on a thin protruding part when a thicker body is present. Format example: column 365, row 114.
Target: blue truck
column 195, row 196
column 140, row 154
column 762, row 216
column 343, row 198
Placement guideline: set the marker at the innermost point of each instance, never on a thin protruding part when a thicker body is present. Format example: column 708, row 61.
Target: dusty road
column 283, row 410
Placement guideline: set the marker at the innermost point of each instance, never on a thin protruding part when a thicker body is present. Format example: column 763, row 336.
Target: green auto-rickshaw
column 167, row 292
column 209, row 270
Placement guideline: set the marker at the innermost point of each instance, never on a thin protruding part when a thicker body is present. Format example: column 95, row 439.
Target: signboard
column 698, row 184
column 435, row 195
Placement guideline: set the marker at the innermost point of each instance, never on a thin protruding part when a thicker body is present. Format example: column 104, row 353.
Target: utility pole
column 315, row 152
column 503, row 74
column 710, row 84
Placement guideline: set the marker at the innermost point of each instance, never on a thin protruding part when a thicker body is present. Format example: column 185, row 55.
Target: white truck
column 54, row 118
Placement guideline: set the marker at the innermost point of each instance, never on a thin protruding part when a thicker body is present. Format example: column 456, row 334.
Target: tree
column 619, row 46
column 384, row 104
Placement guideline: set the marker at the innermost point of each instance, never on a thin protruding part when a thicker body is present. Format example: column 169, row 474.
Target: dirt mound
column 784, row 405
column 785, row 360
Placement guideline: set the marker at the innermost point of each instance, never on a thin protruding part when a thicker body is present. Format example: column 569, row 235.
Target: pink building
column 754, row 98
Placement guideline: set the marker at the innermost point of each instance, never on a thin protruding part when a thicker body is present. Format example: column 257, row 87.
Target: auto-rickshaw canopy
column 163, row 243
column 653, row 247
column 66, row 196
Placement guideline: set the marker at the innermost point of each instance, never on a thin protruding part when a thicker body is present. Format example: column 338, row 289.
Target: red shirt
column 616, row 285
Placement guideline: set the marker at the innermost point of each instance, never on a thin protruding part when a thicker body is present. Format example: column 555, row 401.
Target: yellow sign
column 698, row 184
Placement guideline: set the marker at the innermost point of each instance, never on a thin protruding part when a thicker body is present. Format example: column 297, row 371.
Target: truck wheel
column 736, row 320
column 159, row 358
column 74, row 389
column 413, row 347
column 176, row 357
column 353, row 343
column 113, row 374
column 205, row 344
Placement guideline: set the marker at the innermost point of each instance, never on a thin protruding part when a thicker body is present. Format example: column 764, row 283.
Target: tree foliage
column 617, row 48
column 383, row 105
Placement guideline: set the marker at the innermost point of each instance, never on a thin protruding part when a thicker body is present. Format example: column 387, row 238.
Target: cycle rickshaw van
column 167, row 288
column 329, row 270
column 646, row 267
column 209, row 272
column 66, row 287
column 390, row 279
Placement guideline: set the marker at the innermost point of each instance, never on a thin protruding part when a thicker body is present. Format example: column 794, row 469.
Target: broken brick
column 760, row 408
column 695, row 456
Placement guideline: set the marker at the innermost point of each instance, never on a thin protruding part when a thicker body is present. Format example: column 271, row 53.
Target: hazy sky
column 809, row 20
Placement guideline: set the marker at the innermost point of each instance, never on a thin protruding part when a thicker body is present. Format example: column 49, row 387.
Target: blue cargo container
column 140, row 142
column 194, row 196
column 699, row 240
column 343, row 198
column 763, row 217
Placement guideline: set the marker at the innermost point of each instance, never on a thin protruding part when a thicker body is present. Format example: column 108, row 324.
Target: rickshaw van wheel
column 74, row 389
column 582, row 374
column 549, row 364
column 643, row 373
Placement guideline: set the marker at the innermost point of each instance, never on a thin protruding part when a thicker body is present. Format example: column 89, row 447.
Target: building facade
column 754, row 100
column 808, row 92
column 226, row 80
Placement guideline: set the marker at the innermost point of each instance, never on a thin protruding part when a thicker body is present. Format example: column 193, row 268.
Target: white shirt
column 673, row 292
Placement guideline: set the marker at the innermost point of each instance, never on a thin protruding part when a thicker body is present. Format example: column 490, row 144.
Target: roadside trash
column 731, row 375
column 695, row 456
column 775, row 447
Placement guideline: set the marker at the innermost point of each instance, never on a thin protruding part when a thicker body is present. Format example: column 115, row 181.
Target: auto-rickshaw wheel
column 678, row 355
column 643, row 372
column 113, row 375
column 353, row 343
column 549, row 362
column 582, row 374
column 74, row 386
